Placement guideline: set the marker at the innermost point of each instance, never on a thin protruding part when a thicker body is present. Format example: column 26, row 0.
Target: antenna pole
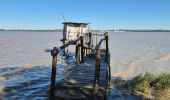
column 63, row 17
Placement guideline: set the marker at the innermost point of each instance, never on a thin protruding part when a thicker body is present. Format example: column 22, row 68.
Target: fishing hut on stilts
column 91, row 77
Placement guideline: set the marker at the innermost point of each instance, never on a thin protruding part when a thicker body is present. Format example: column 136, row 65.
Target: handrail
column 54, row 54
column 56, row 50
column 97, row 67
column 100, row 42
column 99, row 34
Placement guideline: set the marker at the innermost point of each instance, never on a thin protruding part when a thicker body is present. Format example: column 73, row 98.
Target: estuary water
column 139, row 52
column 25, row 60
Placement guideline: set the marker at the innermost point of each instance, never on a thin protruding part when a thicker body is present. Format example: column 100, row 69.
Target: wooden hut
column 72, row 30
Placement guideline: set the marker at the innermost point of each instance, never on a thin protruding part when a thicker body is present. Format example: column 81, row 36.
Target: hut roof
column 75, row 23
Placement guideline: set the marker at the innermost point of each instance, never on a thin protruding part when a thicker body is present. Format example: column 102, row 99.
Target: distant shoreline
column 33, row 30
column 120, row 30
column 140, row 30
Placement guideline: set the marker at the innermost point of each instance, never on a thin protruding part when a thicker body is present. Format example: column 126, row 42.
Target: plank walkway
column 79, row 83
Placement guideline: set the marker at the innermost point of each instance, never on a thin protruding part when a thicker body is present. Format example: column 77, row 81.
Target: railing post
column 64, row 51
column 109, row 73
column 90, row 41
column 97, row 71
column 54, row 53
column 82, row 51
column 85, row 51
column 98, row 64
column 96, row 39
column 77, row 54
column 107, row 48
column 107, row 53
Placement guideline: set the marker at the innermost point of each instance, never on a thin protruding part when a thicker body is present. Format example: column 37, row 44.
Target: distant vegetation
column 147, row 85
column 119, row 30
column 140, row 30
column 56, row 30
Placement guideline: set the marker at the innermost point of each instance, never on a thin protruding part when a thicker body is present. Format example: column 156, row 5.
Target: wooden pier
column 89, row 80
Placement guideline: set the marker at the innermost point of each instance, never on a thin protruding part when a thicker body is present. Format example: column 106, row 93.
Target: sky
column 102, row 14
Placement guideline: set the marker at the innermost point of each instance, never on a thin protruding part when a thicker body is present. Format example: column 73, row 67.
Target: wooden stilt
column 64, row 51
column 54, row 53
column 90, row 42
column 107, row 48
column 77, row 54
column 82, row 51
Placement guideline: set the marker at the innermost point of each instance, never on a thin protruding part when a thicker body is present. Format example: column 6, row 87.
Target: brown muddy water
column 25, row 60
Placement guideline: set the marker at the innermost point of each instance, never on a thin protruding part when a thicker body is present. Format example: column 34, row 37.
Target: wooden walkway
column 79, row 83
column 89, row 80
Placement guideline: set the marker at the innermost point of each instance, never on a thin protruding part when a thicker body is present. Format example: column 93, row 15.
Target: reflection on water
column 25, row 60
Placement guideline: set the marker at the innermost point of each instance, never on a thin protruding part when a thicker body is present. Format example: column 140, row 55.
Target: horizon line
column 90, row 29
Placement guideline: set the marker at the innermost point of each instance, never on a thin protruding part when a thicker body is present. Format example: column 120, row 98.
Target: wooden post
column 86, row 51
column 67, row 50
column 107, row 48
column 90, row 41
column 97, row 71
column 96, row 39
column 64, row 51
column 54, row 53
column 79, row 49
column 109, row 73
column 82, row 51
column 98, row 63
column 107, row 54
column 77, row 54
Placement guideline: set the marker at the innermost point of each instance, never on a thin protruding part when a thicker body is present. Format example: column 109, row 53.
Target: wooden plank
column 82, row 78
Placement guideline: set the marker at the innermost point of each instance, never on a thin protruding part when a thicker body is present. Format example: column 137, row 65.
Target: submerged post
column 82, row 51
column 54, row 53
column 107, row 48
